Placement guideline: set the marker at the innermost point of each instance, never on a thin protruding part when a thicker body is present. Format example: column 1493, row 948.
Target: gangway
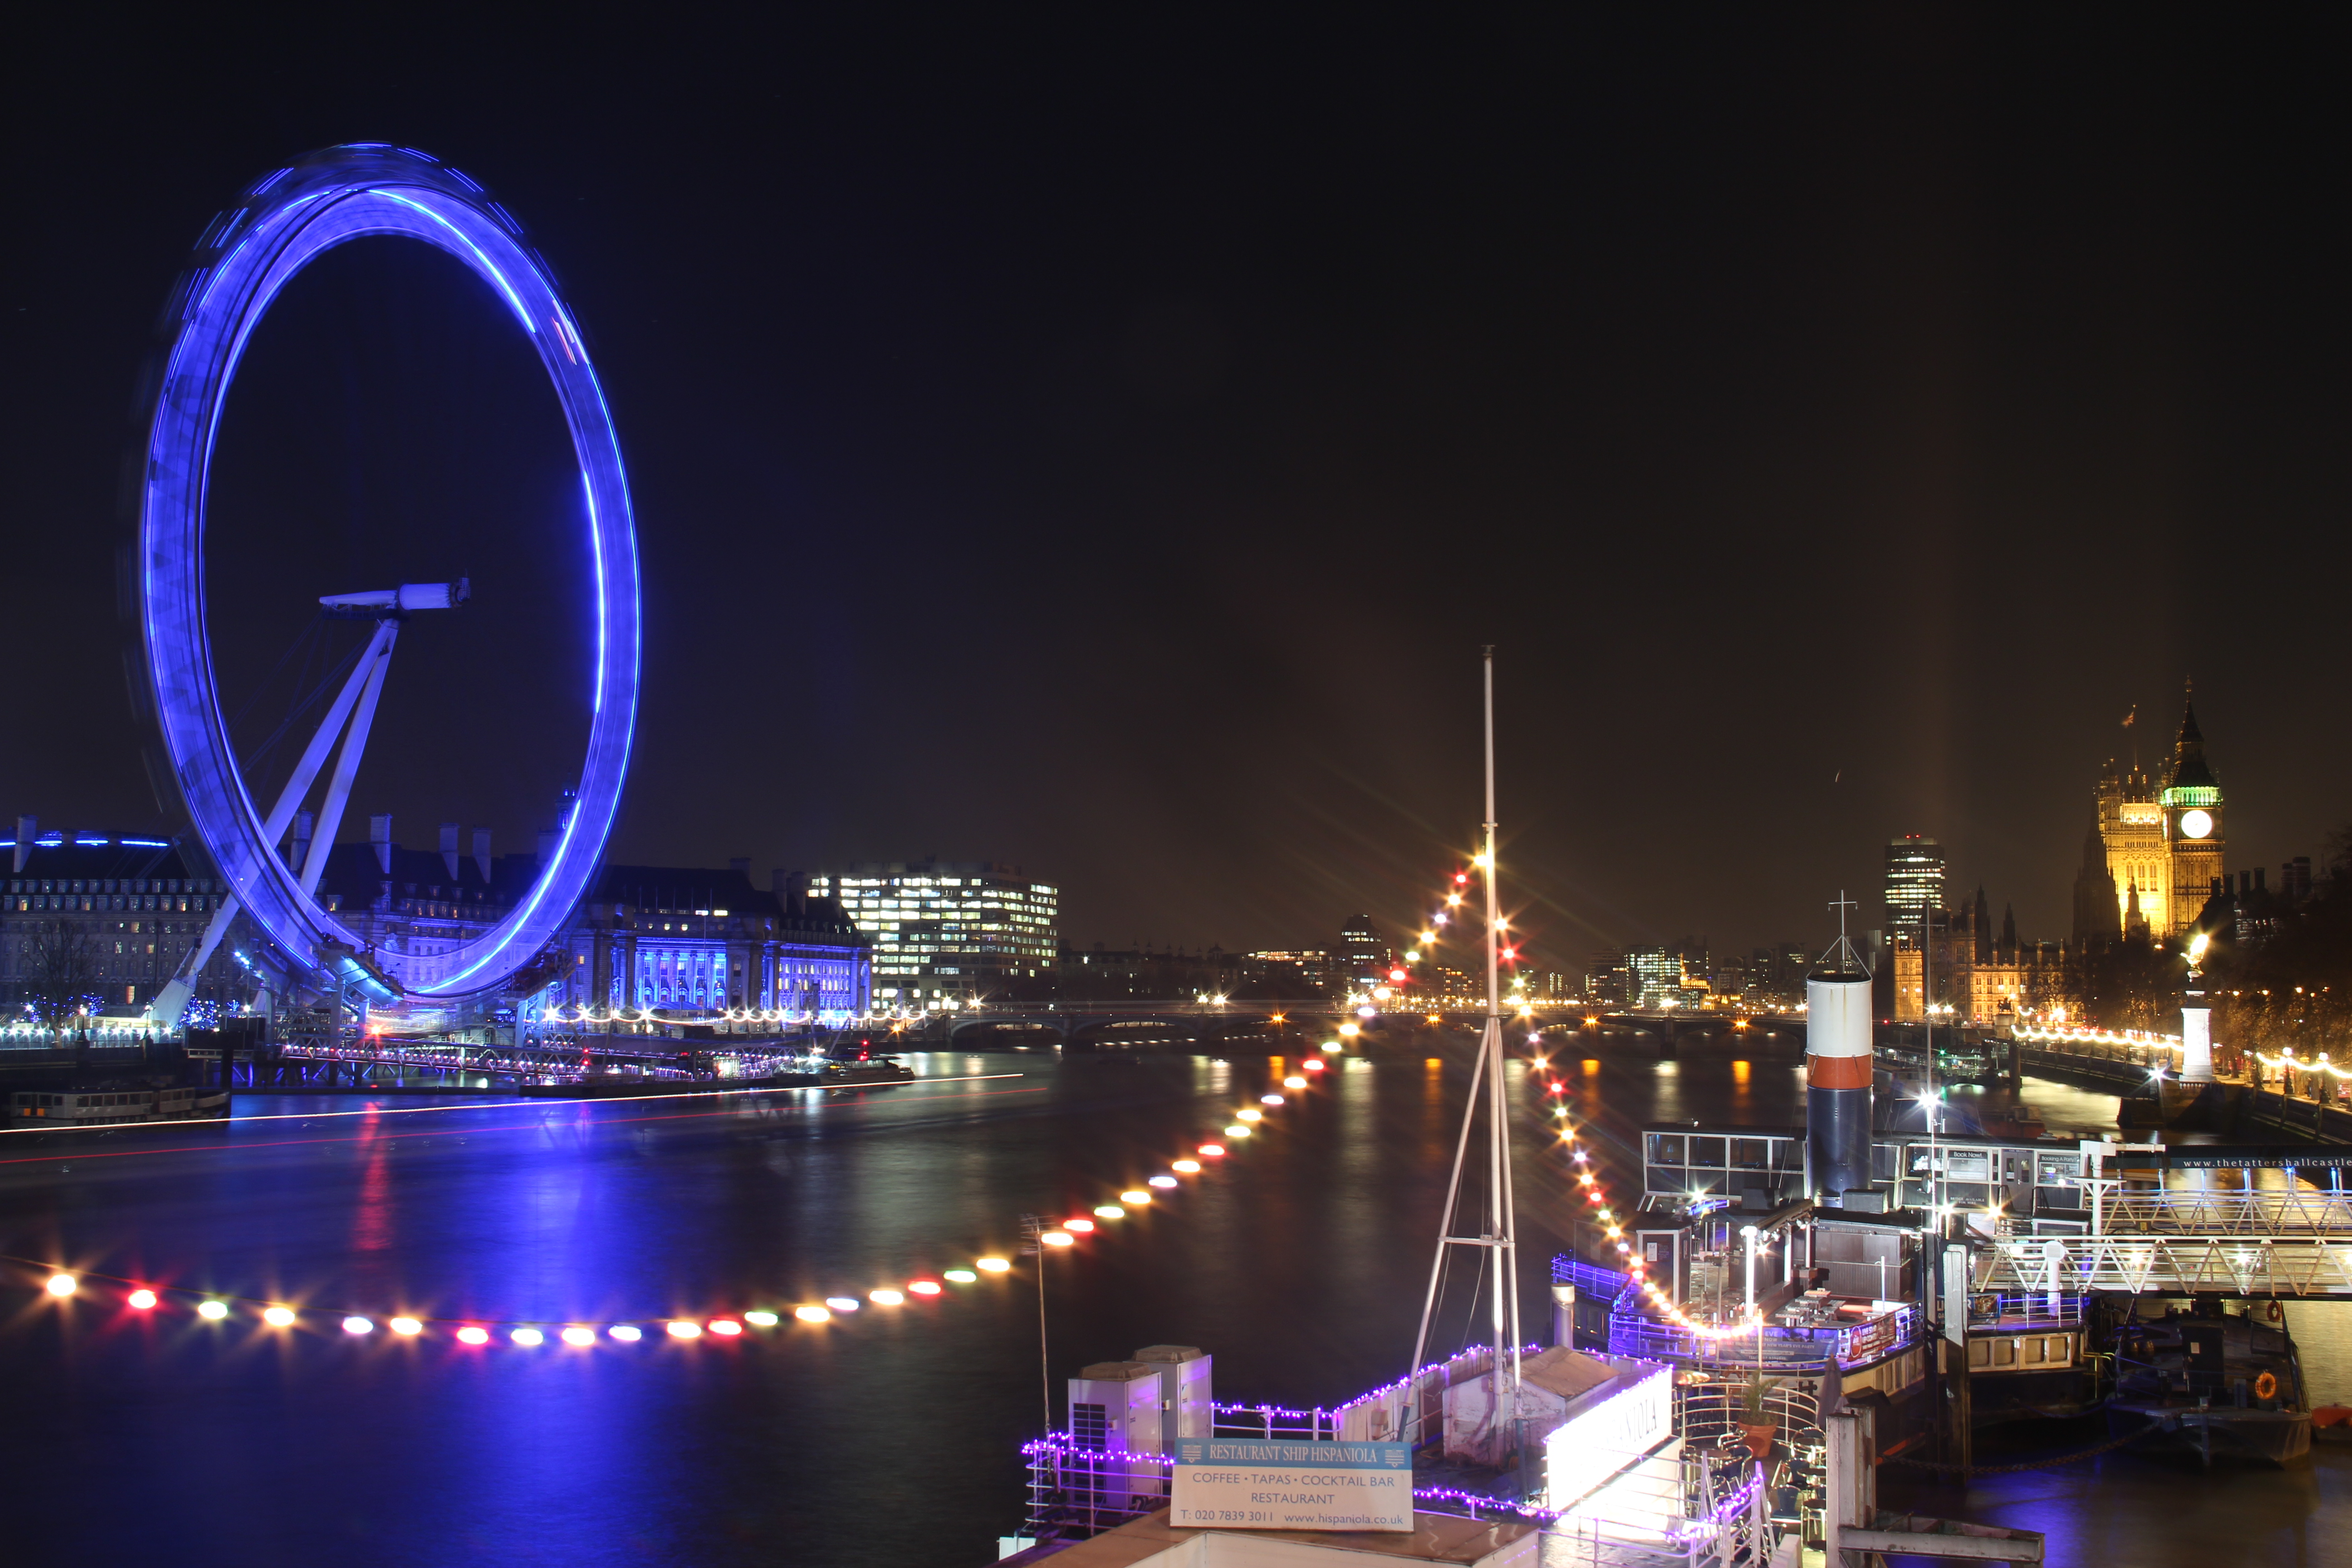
column 2146, row 1237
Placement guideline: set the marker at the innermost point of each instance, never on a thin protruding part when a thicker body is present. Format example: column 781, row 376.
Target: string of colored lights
column 1597, row 1198
column 146, row 1296
column 1429, row 937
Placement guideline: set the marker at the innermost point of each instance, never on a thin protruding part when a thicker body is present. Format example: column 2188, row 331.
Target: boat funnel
column 1838, row 1068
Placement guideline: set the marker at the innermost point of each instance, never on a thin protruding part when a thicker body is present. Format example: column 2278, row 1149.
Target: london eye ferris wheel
column 246, row 259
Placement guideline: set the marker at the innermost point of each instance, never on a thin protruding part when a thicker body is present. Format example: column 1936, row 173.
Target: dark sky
column 1102, row 441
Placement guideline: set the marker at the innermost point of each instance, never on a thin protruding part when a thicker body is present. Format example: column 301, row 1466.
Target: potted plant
column 1755, row 1418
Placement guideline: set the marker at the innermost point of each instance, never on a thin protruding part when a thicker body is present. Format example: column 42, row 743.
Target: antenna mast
column 1499, row 1236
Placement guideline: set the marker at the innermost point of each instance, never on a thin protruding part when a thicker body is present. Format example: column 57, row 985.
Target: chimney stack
column 482, row 854
column 449, row 831
column 303, row 821
column 380, row 835
column 1838, row 1070
column 26, row 829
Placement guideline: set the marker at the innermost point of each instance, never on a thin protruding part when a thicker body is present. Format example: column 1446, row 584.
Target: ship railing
column 1409, row 1410
column 1776, row 1345
column 1590, row 1279
column 1076, row 1491
column 2035, row 1311
column 1718, row 1517
column 1273, row 1421
column 1784, row 1346
column 2194, row 1211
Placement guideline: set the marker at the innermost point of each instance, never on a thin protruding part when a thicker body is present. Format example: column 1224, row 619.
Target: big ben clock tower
column 2193, row 823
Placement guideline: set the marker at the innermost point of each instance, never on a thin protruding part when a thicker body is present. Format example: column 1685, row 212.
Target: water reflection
column 883, row 1440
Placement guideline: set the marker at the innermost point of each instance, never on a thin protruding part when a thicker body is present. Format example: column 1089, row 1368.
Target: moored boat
column 2213, row 1384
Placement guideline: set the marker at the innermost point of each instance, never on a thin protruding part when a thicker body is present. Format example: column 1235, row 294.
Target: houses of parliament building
column 2154, row 853
column 2152, row 868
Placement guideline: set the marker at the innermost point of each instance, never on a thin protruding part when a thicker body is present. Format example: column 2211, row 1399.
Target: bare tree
column 63, row 968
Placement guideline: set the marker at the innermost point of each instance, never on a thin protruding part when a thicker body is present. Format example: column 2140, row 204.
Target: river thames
column 888, row 1436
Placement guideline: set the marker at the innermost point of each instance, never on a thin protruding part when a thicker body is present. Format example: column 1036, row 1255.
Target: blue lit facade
column 689, row 941
column 677, row 939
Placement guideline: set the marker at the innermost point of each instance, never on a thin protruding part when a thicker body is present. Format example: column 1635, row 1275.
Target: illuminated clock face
column 2196, row 825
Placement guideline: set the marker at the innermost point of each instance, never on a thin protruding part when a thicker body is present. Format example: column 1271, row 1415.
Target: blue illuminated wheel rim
column 244, row 259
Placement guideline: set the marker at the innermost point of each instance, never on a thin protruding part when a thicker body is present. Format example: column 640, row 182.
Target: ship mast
column 1499, row 1235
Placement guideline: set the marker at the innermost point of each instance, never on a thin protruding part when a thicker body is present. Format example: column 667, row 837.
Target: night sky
column 1103, row 442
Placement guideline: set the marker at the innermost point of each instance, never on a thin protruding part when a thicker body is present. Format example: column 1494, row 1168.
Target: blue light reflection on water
column 889, row 1440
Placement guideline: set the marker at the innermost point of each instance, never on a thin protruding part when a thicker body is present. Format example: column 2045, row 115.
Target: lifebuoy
column 2266, row 1386
column 2278, row 1311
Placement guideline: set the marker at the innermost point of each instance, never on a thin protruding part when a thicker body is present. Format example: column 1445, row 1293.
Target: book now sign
column 1262, row 1483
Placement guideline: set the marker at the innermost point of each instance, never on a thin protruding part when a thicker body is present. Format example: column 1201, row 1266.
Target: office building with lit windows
column 1361, row 950
column 1915, row 881
column 944, row 930
column 1656, row 977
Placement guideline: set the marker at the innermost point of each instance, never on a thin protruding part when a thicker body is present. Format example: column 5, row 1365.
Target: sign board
column 1597, row 1442
column 1266, row 1483
column 1956, row 1294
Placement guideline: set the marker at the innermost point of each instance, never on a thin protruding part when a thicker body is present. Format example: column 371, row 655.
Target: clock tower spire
column 2192, row 821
